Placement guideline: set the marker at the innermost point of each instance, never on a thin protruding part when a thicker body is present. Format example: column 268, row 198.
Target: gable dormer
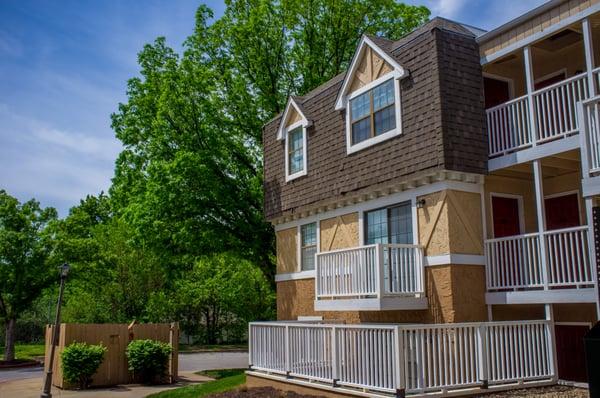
column 292, row 130
column 370, row 94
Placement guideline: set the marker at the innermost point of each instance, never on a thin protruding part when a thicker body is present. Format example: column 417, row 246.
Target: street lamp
column 64, row 271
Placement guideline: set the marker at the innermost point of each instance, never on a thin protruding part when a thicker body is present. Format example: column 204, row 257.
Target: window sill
column 372, row 141
column 291, row 177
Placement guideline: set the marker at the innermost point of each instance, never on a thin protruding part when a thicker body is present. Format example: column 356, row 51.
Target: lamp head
column 64, row 270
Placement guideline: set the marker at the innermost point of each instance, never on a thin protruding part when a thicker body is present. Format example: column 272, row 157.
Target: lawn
column 27, row 351
column 227, row 379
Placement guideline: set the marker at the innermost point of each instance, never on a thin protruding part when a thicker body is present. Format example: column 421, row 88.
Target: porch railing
column 370, row 271
column 410, row 358
column 591, row 137
column 516, row 262
column 554, row 116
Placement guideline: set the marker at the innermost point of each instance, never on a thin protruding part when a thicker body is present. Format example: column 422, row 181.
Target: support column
column 541, row 217
column 588, row 46
column 589, row 206
column 552, row 337
column 529, row 80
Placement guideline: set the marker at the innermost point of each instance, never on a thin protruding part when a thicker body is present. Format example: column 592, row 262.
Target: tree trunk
column 9, row 342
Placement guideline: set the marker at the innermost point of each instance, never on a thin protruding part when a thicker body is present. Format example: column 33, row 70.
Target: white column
column 589, row 54
column 529, row 80
column 541, row 217
column 490, row 313
column 552, row 338
column 589, row 204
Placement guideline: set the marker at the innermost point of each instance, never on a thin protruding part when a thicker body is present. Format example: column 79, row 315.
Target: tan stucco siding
column 534, row 25
column 287, row 250
column 450, row 222
column 292, row 117
column 339, row 232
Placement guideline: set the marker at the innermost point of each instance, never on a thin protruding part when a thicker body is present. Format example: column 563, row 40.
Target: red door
column 496, row 92
column 562, row 212
column 505, row 213
column 570, row 352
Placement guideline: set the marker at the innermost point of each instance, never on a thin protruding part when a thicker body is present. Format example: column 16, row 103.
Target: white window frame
column 304, row 171
column 317, row 223
column 350, row 148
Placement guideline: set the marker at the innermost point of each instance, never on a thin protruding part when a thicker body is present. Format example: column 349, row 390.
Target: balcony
column 370, row 278
column 554, row 117
column 553, row 266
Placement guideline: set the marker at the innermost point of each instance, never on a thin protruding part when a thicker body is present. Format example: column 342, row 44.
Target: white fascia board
column 585, row 295
column 282, row 128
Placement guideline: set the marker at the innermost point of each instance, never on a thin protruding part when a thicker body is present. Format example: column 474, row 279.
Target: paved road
column 187, row 362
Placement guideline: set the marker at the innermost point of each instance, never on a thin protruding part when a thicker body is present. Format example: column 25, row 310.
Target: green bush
column 80, row 361
column 148, row 359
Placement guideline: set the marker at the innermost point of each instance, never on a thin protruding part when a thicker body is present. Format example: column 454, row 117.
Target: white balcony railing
column 370, row 271
column 554, row 115
column 591, row 136
column 516, row 262
column 409, row 358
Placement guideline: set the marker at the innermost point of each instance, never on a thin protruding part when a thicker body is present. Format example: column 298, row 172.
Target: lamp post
column 64, row 270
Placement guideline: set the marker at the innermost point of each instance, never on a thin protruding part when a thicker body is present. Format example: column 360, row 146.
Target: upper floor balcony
column 532, row 94
column 370, row 278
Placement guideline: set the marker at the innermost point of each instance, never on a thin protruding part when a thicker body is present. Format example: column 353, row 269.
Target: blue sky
column 63, row 70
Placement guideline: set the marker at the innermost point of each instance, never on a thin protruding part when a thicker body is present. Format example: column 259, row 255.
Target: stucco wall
column 287, row 257
column 450, row 222
column 339, row 232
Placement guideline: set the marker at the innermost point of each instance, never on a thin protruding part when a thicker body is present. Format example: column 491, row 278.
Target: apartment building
column 434, row 211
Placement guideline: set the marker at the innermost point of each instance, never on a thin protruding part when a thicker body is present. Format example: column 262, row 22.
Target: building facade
column 437, row 200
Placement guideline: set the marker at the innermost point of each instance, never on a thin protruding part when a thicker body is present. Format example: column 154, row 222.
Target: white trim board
column 586, row 295
column 385, row 201
column 454, row 259
column 590, row 186
column 537, row 152
column 372, row 304
column 293, row 276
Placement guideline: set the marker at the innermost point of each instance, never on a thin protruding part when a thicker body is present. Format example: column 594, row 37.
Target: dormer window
column 293, row 131
column 295, row 148
column 373, row 113
column 370, row 94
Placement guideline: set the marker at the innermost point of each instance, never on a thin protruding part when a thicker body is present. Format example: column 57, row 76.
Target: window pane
column 401, row 224
column 360, row 106
column 296, row 151
column 309, row 246
column 377, row 227
column 308, row 258
column 309, row 234
column 361, row 130
column 383, row 95
column 385, row 120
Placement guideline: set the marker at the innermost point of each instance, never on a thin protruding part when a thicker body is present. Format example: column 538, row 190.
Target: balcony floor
column 372, row 304
column 553, row 296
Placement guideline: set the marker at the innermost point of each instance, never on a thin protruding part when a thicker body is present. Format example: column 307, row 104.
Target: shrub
column 148, row 359
column 80, row 361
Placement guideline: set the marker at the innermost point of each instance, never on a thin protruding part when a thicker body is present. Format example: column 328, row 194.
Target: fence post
column 250, row 344
column 482, row 353
column 287, row 350
column 335, row 360
column 551, row 338
column 399, row 368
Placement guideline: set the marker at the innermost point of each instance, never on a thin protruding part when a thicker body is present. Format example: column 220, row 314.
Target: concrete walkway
column 28, row 383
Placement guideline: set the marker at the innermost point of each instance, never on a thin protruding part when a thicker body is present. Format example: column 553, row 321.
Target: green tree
column 25, row 247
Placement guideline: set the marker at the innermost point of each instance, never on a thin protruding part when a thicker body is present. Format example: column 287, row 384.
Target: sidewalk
column 31, row 388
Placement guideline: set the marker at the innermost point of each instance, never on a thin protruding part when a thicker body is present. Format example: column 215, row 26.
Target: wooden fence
column 115, row 337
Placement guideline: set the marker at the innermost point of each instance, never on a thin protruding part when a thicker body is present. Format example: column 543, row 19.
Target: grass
column 227, row 379
column 27, row 351
column 211, row 347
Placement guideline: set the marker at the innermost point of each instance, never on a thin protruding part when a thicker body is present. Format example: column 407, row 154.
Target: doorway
column 562, row 211
column 506, row 215
column 570, row 352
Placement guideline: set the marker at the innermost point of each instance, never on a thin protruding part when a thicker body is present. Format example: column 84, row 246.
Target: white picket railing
column 516, row 262
column 410, row 358
column 554, row 114
column 591, row 128
column 370, row 271
column 556, row 107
